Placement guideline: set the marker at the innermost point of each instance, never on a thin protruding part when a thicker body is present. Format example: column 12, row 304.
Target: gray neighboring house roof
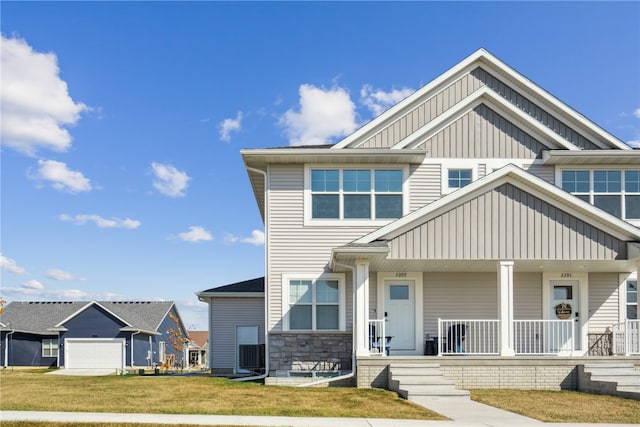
column 252, row 287
column 40, row 317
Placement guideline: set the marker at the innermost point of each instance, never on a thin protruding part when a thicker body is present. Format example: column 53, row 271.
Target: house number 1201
column 401, row 274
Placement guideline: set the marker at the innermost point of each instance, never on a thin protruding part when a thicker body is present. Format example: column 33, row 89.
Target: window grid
column 314, row 305
column 614, row 191
column 458, row 178
column 349, row 194
column 50, row 347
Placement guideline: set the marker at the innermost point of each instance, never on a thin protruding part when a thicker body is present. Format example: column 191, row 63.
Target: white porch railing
column 626, row 338
column 472, row 337
column 543, row 337
column 378, row 342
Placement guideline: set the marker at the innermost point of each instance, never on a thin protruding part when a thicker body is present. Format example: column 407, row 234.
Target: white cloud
column 323, row 115
column 634, row 143
column 377, row 101
column 636, row 113
column 10, row 265
column 61, row 177
column 256, row 239
column 169, row 180
column 195, row 234
column 35, row 101
column 230, row 125
column 101, row 222
column 57, row 274
column 33, row 284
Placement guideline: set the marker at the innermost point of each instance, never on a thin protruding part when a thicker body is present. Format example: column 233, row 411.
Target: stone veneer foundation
column 309, row 352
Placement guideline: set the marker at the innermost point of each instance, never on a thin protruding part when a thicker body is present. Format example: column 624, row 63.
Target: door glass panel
column 399, row 292
column 562, row 292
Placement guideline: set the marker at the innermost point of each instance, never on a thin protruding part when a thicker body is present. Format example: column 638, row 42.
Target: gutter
column 266, row 286
column 353, row 350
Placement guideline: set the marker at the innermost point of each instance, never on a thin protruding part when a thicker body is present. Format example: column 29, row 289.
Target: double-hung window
column 614, row 191
column 50, row 347
column 632, row 299
column 315, row 304
column 364, row 194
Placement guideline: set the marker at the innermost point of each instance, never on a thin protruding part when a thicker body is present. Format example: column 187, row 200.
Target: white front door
column 399, row 313
column 565, row 306
column 244, row 335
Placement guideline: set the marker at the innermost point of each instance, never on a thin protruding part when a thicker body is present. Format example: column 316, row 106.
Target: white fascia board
column 86, row 307
column 406, row 104
column 536, row 186
column 315, row 155
column 231, row 294
column 138, row 330
column 591, row 157
column 486, row 96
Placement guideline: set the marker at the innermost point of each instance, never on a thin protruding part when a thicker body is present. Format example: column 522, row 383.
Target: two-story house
column 479, row 217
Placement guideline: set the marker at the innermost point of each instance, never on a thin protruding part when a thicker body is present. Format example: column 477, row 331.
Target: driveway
column 84, row 372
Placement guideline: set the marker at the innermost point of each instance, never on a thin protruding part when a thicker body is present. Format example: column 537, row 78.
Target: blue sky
column 122, row 122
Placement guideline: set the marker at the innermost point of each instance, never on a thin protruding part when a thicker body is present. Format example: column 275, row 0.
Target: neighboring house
column 236, row 318
column 94, row 334
column 479, row 216
column 197, row 349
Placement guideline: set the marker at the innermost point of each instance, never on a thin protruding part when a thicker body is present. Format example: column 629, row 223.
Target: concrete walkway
column 465, row 416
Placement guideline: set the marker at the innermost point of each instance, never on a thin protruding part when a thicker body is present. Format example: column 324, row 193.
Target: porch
column 472, row 337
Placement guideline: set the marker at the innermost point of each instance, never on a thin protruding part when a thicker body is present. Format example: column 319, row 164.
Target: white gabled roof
column 483, row 58
column 522, row 179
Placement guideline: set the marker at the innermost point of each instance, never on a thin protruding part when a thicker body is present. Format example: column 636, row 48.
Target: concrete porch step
column 618, row 379
column 422, row 380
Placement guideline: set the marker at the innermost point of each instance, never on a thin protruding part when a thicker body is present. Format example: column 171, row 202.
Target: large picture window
column 364, row 194
column 315, row 304
column 50, row 347
column 614, row 191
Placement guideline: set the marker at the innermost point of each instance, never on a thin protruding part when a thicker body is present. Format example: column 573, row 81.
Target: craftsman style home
column 90, row 334
column 480, row 218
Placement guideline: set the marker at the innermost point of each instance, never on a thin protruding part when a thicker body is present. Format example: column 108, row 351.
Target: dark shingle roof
column 248, row 286
column 40, row 316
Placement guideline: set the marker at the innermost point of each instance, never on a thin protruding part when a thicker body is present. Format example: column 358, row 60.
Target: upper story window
column 614, row 191
column 50, row 347
column 632, row 299
column 458, row 178
column 365, row 194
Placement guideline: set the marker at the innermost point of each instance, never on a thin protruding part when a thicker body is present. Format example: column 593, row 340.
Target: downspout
column 131, row 347
column 150, row 358
column 266, row 287
column 353, row 350
column 6, row 348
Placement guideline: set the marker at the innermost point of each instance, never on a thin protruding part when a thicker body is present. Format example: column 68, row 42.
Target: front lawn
column 33, row 390
column 562, row 406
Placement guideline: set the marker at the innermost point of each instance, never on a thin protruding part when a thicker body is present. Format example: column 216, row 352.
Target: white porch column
column 361, row 315
column 505, row 307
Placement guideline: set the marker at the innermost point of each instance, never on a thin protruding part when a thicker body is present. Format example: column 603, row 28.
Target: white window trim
column 51, row 347
column 309, row 221
column 622, row 292
column 622, row 193
column 286, row 278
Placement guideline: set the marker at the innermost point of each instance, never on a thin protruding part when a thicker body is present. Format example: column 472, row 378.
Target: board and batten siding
column 506, row 223
column 225, row 315
column 423, row 113
column 295, row 248
column 482, row 133
column 603, row 301
column 531, row 108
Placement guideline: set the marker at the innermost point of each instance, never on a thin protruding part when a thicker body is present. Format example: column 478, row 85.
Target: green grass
column 562, row 406
column 32, row 390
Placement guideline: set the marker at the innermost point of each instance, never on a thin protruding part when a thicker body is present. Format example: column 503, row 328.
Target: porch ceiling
column 490, row 265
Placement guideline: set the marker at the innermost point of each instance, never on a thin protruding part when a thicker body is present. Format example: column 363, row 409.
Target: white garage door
column 93, row 353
